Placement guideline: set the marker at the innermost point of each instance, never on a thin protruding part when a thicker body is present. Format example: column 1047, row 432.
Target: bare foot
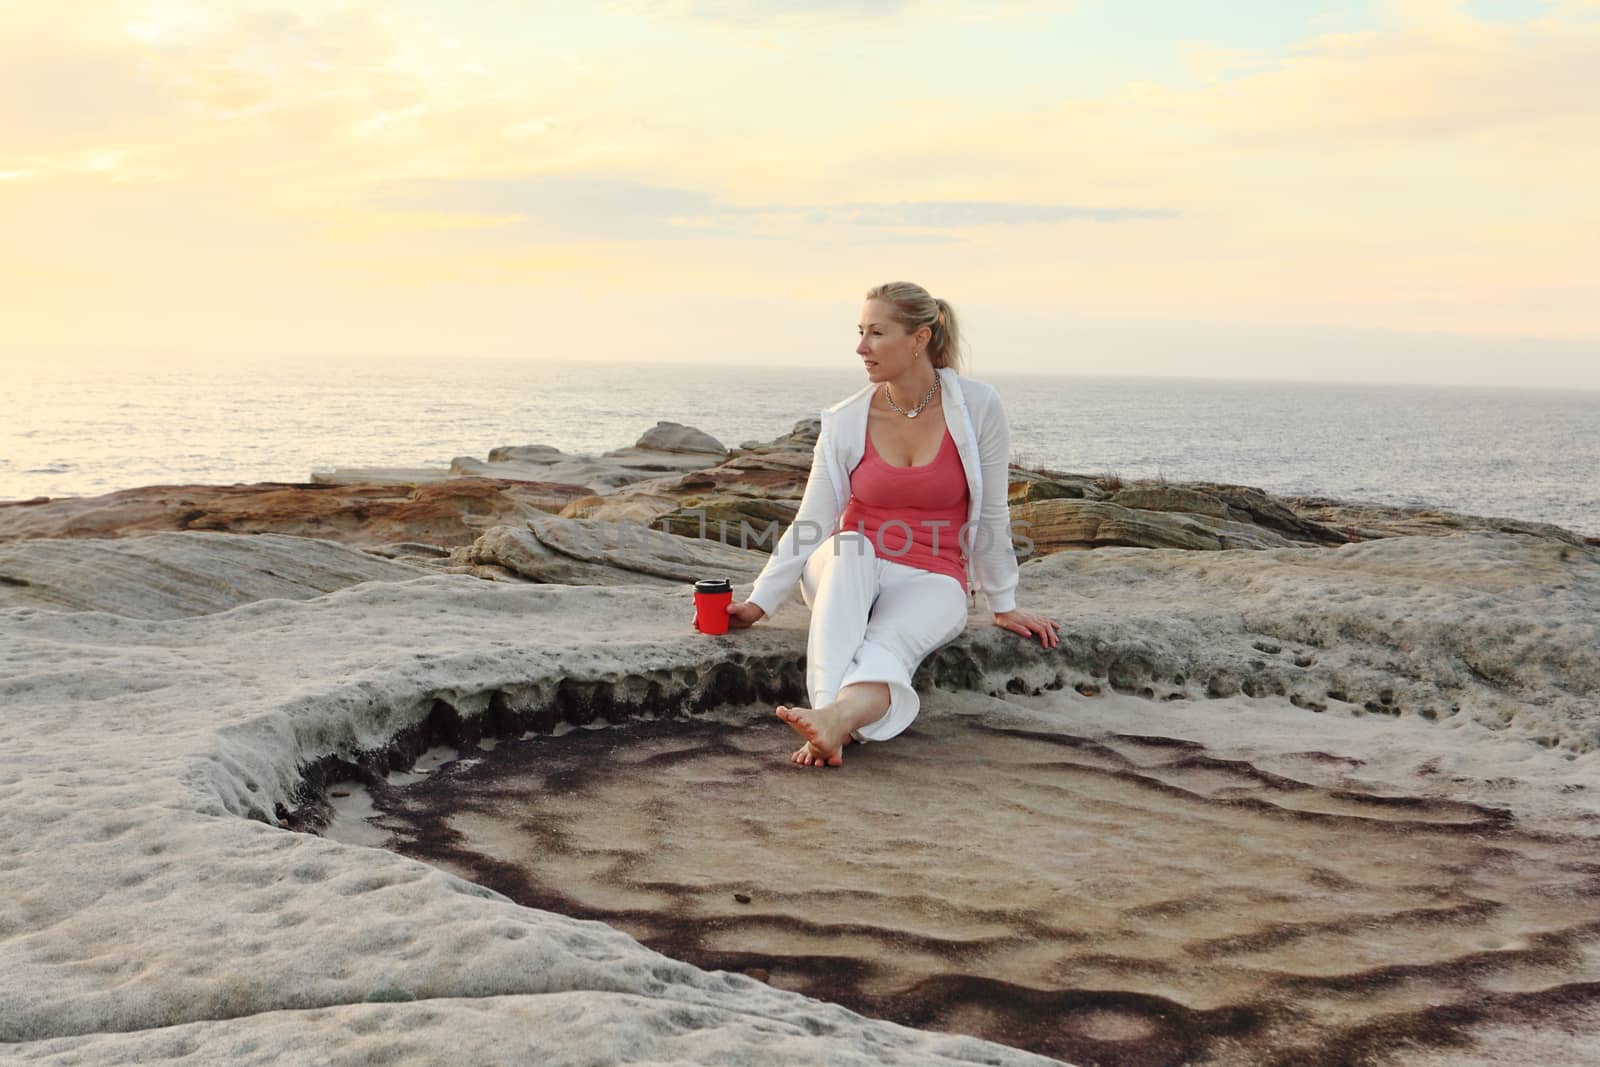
column 808, row 756
column 825, row 731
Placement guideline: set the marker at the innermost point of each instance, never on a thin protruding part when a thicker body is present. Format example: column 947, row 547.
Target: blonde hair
column 915, row 308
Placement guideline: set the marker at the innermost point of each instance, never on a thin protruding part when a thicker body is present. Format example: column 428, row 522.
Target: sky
column 1366, row 190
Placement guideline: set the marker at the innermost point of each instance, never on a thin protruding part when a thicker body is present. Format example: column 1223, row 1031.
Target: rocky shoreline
column 180, row 697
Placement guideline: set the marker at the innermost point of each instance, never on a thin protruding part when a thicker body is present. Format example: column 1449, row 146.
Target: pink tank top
column 913, row 515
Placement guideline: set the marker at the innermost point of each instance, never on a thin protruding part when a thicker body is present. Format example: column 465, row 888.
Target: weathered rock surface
column 666, row 448
column 1363, row 522
column 148, row 906
column 173, row 575
column 1056, row 524
column 391, row 476
column 763, row 482
column 803, row 438
column 1027, row 486
column 748, row 493
column 591, row 552
column 453, row 512
column 667, row 436
column 142, row 756
column 1103, row 914
column 1243, row 503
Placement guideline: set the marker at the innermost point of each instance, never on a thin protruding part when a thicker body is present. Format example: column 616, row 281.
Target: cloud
column 58, row 96
column 572, row 207
column 754, row 12
column 1430, row 171
column 615, row 207
column 956, row 214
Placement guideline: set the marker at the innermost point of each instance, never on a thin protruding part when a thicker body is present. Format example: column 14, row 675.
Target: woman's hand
column 742, row 616
column 1027, row 624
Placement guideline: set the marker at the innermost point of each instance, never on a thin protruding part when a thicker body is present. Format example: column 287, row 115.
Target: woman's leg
column 917, row 611
column 839, row 585
column 870, row 698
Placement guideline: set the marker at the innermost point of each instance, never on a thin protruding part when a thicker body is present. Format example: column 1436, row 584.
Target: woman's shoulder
column 855, row 397
column 975, row 390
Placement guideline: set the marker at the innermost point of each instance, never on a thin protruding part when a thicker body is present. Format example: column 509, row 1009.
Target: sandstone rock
column 1027, row 486
column 1251, row 505
column 154, row 754
column 175, row 575
column 542, row 454
column 518, row 551
column 642, row 505
column 749, row 521
column 746, row 491
column 592, row 552
column 381, row 476
column 452, row 512
column 1053, row 525
column 599, row 475
column 1366, row 521
column 1171, row 498
column 408, row 550
column 608, row 471
column 667, row 436
column 778, row 474
column 803, row 438
column 151, row 763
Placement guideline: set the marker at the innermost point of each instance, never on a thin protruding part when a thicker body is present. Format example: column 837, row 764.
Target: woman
column 905, row 502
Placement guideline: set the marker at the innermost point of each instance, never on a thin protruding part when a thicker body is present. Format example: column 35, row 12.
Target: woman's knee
column 850, row 543
column 847, row 547
column 914, row 629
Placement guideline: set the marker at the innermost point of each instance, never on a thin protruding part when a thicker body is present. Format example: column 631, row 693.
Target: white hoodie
column 978, row 425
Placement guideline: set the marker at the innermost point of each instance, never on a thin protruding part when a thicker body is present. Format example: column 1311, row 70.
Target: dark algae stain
column 1110, row 900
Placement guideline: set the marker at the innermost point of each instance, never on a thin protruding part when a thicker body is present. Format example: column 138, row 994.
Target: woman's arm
column 811, row 526
column 994, row 563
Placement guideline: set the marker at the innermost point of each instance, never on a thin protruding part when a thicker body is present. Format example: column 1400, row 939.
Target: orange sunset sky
column 1394, row 190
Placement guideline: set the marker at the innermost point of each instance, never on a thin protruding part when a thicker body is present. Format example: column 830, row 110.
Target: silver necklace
column 914, row 412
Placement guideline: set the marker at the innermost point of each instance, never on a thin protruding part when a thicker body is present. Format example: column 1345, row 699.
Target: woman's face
column 886, row 348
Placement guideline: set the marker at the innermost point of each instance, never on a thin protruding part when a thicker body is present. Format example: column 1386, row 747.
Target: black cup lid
column 714, row 585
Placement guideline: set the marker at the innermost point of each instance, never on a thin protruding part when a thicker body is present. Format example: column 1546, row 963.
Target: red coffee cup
column 711, row 599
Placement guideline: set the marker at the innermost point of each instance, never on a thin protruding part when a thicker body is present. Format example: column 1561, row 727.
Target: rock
column 776, row 474
column 1234, row 504
column 641, row 505
column 667, row 436
column 1027, row 486
column 734, row 518
column 408, row 550
column 1250, row 505
column 452, row 512
column 351, row 476
column 606, row 472
column 803, row 438
column 1053, row 525
column 1364, row 522
column 746, row 493
column 176, row 575
column 151, row 764
column 517, row 551
column 591, row 552
column 649, row 461
column 1171, row 498
column 541, row 454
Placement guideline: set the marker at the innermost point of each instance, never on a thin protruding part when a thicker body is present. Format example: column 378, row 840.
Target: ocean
column 1526, row 454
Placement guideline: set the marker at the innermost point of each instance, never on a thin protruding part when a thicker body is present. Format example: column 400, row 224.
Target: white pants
column 874, row 620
